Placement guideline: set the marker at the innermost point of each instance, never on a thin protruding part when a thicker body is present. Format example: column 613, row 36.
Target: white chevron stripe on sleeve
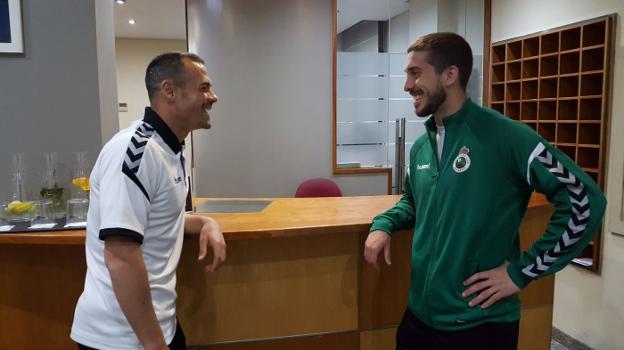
column 567, row 240
column 583, row 215
column 557, row 248
column 538, row 149
column 575, row 228
column 528, row 271
column 577, row 190
column 580, row 211
column 549, row 259
column 581, row 203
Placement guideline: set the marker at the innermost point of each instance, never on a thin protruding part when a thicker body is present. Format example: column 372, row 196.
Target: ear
column 450, row 76
column 167, row 89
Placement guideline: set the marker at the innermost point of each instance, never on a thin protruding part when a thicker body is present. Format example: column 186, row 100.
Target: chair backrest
column 318, row 187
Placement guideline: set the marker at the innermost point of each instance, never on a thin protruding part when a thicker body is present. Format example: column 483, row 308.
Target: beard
column 205, row 125
column 206, row 122
column 434, row 102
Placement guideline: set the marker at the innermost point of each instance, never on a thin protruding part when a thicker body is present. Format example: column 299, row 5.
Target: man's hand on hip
column 492, row 285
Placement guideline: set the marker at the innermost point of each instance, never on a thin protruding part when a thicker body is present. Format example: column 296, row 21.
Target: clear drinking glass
column 3, row 214
column 77, row 211
column 43, row 213
column 78, row 204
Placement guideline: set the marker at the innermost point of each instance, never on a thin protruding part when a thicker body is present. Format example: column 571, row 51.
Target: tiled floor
column 554, row 345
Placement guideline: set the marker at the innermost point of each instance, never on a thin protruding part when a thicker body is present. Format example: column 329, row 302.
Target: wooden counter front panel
column 383, row 294
column 540, row 292
column 299, row 285
column 378, row 339
column 271, row 288
column 39, row 288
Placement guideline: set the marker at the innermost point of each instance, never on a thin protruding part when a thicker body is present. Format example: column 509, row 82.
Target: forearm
column 579, row 209
column 193, row 224
column 209, row 233
column 130, row 284
column 399, row 217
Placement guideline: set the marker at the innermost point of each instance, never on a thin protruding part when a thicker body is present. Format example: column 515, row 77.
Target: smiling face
column 194, row 97
column 424, row 84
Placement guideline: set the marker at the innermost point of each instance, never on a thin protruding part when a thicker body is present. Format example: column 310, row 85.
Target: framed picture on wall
column 11, row 38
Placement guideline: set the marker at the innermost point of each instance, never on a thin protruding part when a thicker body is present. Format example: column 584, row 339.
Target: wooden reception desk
column 294, row 279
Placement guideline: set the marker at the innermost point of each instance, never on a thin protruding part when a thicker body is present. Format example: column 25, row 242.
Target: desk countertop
column 283, row 217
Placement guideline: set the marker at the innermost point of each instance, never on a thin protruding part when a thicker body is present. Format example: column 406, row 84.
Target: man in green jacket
column 466, row 191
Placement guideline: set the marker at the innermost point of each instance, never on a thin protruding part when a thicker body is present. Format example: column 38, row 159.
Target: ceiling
column 156, row 19
column 165, row 19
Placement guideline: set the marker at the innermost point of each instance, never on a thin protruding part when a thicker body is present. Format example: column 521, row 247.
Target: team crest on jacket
column 462, row 161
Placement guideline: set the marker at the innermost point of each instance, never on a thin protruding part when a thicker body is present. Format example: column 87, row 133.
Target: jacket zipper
column 433, row 143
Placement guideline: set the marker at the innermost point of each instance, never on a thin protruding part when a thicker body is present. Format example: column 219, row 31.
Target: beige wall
column 270, row 62
column 133, row 56
column 588, row 307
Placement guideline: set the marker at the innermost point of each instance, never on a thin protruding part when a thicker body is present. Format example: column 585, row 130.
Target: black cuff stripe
column 120, row 232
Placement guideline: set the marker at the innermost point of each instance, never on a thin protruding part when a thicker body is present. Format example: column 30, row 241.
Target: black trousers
column 414, row 334
column 177, row 343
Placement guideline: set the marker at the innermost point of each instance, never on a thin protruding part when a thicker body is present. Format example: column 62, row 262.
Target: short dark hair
column 445, row 50
column 165, row 66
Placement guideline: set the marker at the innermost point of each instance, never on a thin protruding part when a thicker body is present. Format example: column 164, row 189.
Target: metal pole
column 399, row 154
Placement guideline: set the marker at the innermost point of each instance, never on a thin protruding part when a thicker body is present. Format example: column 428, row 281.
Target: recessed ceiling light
column 120, row 2
column 131, row 21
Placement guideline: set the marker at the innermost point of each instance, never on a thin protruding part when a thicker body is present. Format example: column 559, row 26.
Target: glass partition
column 372, row 37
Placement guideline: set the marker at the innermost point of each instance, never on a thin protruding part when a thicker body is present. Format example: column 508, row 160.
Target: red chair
column 318, row 188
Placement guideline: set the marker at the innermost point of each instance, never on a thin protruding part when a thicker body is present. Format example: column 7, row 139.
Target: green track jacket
column 467, row 207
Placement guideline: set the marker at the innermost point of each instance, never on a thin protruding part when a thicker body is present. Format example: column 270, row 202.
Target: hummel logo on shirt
column 177, row 180
column 423, row 166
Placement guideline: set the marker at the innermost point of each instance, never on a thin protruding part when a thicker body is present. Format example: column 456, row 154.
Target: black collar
column 152, row 118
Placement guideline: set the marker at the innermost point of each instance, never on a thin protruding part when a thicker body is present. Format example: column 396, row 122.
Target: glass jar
column 19, row 208
column 80, row 177
column 51, row 190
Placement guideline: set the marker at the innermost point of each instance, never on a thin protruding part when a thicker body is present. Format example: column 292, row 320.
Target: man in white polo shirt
column 137, row 221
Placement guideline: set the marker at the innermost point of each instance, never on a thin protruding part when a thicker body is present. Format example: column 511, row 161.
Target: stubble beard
column 434, row 103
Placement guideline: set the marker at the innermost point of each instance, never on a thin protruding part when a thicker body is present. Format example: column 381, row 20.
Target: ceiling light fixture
column 120, row 2
column 131, row 21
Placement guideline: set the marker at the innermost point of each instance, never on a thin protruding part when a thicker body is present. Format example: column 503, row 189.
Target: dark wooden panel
column 383, row 294
column 342, row 341
column 39, row 289
column 538, row 292
column 535, row 328
column 270, row 288
column 378, row 339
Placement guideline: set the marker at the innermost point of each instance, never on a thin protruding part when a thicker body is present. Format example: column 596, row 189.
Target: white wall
column 449, row 15
column 51, row 97
column 107, row 84
column 423, row 18
column 270, row 62
column 398, row 41
column 133, row 56
column 588, row 307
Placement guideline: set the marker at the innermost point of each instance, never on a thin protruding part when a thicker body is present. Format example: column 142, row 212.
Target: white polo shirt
column 138, row 190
